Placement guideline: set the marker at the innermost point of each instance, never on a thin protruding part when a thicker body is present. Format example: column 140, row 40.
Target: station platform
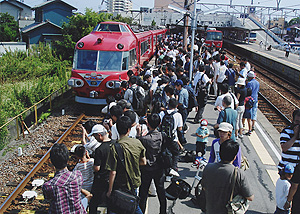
column 277, row 55
column 262, row 150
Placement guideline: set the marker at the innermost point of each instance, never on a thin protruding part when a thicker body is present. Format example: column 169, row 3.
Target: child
column 282, row 188
column 202, row 137
column 249, row 102
column 85, row 166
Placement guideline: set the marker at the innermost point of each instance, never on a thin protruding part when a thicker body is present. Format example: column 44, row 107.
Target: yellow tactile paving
column 261, row 151
column 273, row 175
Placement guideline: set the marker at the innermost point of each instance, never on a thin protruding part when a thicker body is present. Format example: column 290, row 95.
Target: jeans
column 240, row 112
column 184, row 114
column 158, row 177
column 279, row 211
column 254, row 110
column 202, row 100
column 99, row 190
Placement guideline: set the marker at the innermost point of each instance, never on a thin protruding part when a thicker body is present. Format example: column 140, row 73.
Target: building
column 20, row 11
column 49, row 18
column 162, row 5
column 277, row 22
column 116, row 6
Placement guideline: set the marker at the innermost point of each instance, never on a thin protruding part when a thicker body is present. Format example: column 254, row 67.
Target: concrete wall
column 290, row 72
column 12, row 46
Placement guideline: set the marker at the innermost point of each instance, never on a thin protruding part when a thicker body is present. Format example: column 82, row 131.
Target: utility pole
column 186, row 26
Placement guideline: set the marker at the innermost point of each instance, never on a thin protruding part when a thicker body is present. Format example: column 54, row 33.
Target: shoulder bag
column 123, row 201
column 238, row 204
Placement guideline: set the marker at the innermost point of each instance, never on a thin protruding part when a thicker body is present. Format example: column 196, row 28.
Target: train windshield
column 101, row 60
column 217, row 36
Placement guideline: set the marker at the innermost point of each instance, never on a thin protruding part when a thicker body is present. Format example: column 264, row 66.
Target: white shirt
column 177, row 121
column 132, row 134
column 220, row 99
column 216, row 66
column 282, row 191
column 244, row 72
column 128, row 96
column 105, row 110
column 248, row 66
column 221, row 73
column 198, row 77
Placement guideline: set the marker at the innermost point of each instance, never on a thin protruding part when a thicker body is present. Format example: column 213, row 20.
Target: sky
column 95, row 4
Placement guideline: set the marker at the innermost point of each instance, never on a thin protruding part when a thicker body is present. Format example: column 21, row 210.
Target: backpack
column 249, row 103
column 138, row 99
column 201, row 87
column 157, row 100
column 178, row 189
column 192, row 100
column 167, row 125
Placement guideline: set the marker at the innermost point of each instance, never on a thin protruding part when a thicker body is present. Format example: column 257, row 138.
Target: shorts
column 254, row 111
column 247, row 114
column 201, row 147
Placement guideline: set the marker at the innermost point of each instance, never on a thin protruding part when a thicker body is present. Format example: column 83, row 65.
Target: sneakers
column 174, row 173
column 249, row 133
column 168, row 178
column 240, row 135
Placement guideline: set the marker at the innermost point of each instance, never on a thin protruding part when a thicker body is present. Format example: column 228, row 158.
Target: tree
column 9, row 28
column 119, row 18
column 294, row 21
column 153, row 23
column 78, row 27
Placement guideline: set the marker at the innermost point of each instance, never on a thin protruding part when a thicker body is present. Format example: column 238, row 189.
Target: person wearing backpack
column 254, row 85
column 183, row 99
column 135, row 95
column 200, row 85
column 249, row 102
column 171, row 122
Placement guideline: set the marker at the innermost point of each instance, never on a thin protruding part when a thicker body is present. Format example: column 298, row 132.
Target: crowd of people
column 147, row 120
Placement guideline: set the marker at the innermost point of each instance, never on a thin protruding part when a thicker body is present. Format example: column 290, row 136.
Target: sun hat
column 225, row 127
column 97, row 129
column 251, row 74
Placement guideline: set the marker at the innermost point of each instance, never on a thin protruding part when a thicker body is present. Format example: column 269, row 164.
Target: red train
column 102, row 59
column 215, row 37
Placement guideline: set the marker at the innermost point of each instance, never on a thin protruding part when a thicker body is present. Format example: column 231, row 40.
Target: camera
column 106, row 121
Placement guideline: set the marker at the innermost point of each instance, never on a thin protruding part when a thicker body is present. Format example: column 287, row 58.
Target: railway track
column 44, row 170
column 277, row 98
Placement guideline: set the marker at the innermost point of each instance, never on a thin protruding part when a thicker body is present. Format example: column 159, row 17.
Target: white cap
column 251, row 74
column 97, row 129
column 225, row 127
column 241, row 81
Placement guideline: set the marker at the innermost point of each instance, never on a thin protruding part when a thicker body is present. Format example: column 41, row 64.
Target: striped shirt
column 292, row 154
column 87, row 171
column 63, row 192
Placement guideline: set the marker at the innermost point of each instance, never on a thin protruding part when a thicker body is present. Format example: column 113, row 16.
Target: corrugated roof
column 51, row 2
column 16, row 3
column 37, row 25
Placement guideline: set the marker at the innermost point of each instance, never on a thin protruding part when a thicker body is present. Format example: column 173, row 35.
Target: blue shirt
column 183, row 97
column 231, row 116
column 202, row 130
column 215, row 154
column 230, row 73
column 254, row 85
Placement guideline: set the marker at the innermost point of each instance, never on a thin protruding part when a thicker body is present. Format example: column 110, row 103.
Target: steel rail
column 37, row 166
column 287, row 120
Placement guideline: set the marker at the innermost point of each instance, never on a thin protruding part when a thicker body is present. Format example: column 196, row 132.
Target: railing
column 16, row 118
column 267, row 31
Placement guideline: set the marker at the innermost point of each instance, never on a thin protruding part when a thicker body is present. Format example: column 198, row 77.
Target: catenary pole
column 193, row 26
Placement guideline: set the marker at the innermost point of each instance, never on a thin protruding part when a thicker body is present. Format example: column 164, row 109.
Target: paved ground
column 262, row 151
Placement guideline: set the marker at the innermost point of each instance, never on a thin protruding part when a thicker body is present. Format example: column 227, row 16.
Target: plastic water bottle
column 63, row 112
column 20, row 152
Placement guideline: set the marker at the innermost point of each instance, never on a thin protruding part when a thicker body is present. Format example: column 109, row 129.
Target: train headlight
column 76, row 83
column 80, row 44
column 113, row 84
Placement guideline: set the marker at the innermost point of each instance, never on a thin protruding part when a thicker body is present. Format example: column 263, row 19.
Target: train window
column 108, row 27
column 214, row 36
column 123, row 28
column 125, row 60
column 86, row 60
column 109, row 61
column 132, row 57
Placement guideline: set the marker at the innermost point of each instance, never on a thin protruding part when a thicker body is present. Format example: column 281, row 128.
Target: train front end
column 214, row 38
column 101, row 62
